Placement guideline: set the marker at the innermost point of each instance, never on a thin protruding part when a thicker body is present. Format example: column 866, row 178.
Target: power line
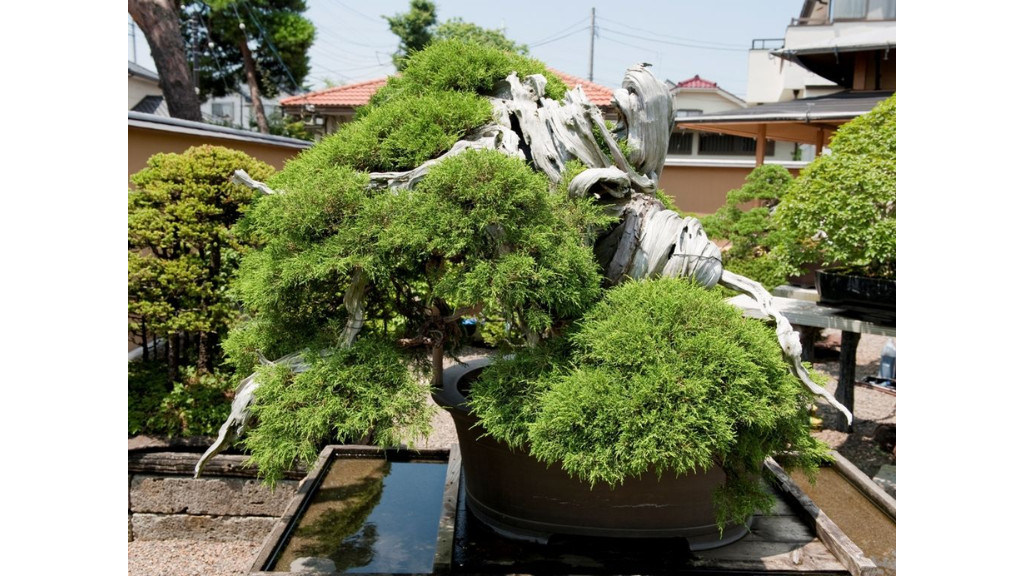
column 684, row 44
column 645, row 49
column 676, row 38
column 577, row 23
column 584, row 29
column 358, row 13
column 266, row 39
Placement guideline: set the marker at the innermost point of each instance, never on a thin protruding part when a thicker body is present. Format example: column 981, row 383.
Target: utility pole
column 593, row 12
column 195, row 50
column 132, row 34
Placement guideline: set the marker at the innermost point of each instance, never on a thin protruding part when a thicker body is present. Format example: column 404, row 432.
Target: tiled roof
column 352, row 95
column 349, row 95
column 596, row 93
column 697, row 82
column 136, row 70
column 152, row 105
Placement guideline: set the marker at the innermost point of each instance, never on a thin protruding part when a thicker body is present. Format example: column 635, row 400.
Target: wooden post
column 847, row 372
column 819, row 142
column 762, row 134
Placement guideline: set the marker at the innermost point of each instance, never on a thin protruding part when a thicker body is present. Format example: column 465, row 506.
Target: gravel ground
column 874, row 411
column 871, row 408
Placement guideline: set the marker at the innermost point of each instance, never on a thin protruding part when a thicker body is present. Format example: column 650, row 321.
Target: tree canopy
column 261, row 43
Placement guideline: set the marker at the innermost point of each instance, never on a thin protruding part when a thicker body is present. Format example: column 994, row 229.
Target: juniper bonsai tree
column 534, row 212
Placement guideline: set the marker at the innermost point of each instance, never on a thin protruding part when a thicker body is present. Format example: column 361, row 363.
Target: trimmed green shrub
column 196, row 405
column 182, row 256
column 841, row 210
column 181, row 251
column 665, row 376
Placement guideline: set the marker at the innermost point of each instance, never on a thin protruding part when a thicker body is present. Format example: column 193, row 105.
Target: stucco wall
column 702, row 189
column 144, row 142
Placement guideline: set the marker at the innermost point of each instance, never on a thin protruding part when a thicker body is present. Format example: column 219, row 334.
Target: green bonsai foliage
column 449, row 65
column 351, row 394
column 752, row 232
column 482, row 234
column 665, row 376
column 182, row 255
column 841, row 210
column 181, row 252
column 404, row 132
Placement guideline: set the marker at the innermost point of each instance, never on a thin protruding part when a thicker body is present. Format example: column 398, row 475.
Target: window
column 864, row 10
column 223, row 111
column 681, row 143
column 684, row 112
column 728, row 145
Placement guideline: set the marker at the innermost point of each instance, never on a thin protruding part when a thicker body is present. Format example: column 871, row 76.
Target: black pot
column 860, row 296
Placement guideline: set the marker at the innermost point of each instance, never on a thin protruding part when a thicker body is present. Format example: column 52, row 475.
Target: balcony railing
column 767, row 43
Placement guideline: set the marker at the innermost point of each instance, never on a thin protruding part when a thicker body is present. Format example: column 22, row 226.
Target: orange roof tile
column 349, row 95
column 697, row 82
column 352, row 95
column 596, row 93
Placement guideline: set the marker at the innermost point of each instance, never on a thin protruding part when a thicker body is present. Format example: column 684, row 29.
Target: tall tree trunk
column 172, row 358
column 145, row 342
column 159, row 20
column 254, row 90
column 207, row 343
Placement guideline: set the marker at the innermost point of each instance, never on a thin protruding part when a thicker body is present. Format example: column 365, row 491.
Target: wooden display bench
column 801, row 310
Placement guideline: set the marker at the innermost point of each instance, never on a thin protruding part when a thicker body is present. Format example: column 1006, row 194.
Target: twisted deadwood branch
column 649, row 240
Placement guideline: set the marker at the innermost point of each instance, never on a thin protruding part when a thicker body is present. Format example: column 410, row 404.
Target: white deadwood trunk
column 648, row 241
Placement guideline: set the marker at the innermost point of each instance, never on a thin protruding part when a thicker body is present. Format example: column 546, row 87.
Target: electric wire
column 269, row 43
column 559, row 37
column 676, row 38
column 545, row 39
column 683, row 44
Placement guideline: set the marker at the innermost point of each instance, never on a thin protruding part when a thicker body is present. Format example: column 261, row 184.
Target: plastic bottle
column 887, row 365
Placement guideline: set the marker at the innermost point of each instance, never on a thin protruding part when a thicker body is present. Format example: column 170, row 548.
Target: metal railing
column 767, row 43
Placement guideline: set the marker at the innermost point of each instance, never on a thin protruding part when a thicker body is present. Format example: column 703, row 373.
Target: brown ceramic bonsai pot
column 521, row 497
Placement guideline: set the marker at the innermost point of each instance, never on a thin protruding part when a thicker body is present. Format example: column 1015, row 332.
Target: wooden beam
column 762, row 134
column 819, row 142
column 860, row 71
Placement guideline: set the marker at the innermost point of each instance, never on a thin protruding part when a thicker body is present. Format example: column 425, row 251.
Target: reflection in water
column 869, row 528
column 370, row 515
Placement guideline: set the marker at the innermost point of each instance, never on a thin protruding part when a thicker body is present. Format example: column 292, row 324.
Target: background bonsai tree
column 181, row 256
column 841, row 210
column 485, row 198
column 752, row 233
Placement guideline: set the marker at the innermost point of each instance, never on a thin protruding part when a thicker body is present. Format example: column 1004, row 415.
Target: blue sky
column 680, row 38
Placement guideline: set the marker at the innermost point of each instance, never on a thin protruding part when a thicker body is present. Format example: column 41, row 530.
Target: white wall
column 139, row 88
column 772, row 79
column 707, row 102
